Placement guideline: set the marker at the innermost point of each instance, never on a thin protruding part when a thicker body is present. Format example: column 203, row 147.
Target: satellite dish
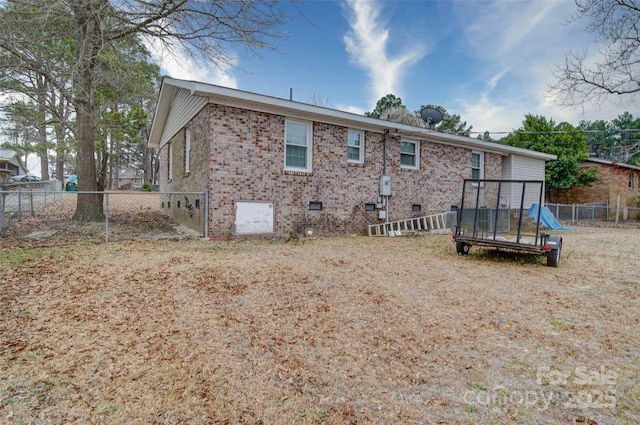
column 431, row 115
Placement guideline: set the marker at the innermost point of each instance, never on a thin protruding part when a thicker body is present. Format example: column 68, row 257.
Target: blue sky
column 488, row 61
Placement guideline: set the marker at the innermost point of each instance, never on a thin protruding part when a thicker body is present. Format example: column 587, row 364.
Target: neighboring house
column 616, row 179
column 127, row 180
column 9, row 165
column 278, row 167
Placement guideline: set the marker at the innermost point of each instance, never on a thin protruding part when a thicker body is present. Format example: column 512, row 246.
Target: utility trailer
column 493, row 213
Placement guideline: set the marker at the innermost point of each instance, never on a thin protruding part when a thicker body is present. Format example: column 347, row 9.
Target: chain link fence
column 597, row 211
column 46, row 216
column 21, row 200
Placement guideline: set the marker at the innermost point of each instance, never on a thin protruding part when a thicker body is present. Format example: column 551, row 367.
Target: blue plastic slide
column 547, row 218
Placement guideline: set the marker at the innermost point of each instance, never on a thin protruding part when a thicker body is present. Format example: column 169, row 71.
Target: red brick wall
column 189, row 212
column 614, row 181
column 245, row 162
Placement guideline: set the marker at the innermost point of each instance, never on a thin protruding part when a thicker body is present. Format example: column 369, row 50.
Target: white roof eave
column 293, row 109
column 165, row 97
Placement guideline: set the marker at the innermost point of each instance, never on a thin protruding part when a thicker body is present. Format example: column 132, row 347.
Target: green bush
column 147, row 187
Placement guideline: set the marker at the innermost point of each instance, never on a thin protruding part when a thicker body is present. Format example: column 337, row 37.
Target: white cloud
column 176, row 63
column 485, row 115
column 493, row 81
column 352, row 109
column 504, row 29
column 367, row 43
column 517, row 46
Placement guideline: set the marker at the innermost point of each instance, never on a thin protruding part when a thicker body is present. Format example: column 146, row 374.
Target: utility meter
column 385, row 185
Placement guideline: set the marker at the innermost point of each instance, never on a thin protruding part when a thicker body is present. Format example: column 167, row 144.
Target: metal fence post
column 19, row 202
column 31, row 198
column 106, row 217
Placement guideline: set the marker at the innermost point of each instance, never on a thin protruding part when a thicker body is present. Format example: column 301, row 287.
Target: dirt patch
column 341, row 330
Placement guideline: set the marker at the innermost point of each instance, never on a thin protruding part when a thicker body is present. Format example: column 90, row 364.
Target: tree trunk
column 146, row 164
column 103, row 161
column 147, row 158
column 89, row 205
column 61, row 151
column 60, row 154
column 115, row 151
column 116, row 173
column 42, row 128
column 44, row 166
column 110, row 179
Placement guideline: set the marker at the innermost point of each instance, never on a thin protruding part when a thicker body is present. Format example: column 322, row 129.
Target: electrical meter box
column 385, row 185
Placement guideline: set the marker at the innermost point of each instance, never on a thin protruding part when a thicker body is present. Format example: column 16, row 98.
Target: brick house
column 615, row 179
column 277, row 167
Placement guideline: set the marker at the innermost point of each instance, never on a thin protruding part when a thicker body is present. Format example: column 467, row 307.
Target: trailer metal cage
column 494, row 213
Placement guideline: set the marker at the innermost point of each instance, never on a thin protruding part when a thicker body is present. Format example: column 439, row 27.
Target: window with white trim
column 477, row 165
column 187, row 150
column 409, row 154
column 298, row 146
column 355, row 146
column 631, row 180
column 170, row 161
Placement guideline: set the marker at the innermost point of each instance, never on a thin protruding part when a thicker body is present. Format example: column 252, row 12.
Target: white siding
column 525, row 168
column 183, row 108
column 516, row 167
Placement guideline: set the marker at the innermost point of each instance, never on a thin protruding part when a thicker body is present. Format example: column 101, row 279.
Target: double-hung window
column 409, row 154
column 355, row 146
column 298, row 146
column 477, row 165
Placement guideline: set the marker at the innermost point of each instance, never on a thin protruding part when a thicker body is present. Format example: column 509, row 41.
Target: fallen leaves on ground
column 320, row 331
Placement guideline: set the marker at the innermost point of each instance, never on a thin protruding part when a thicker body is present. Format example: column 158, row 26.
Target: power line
column 623, row 130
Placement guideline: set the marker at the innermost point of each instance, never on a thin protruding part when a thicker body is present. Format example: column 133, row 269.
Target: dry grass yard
column 351, row 330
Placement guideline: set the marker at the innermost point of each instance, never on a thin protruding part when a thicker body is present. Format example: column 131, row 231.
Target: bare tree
column 616, row 24
column 319, row 100
column 211, row 30
column 401, row 114
column 390, row 108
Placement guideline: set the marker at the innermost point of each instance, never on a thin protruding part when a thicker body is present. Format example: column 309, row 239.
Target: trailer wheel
column 462, row 248
column 553, row 258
